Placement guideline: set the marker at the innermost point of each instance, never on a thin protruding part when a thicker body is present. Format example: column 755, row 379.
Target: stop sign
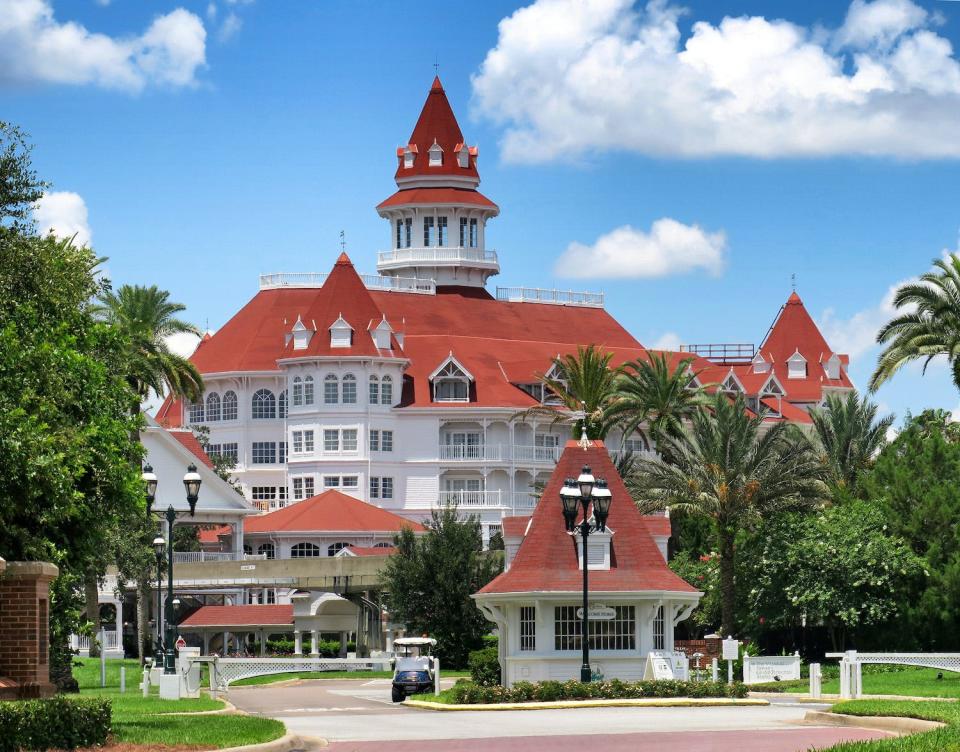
column 180, row 643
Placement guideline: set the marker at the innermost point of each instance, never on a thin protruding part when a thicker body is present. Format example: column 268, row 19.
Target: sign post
column 731, row 651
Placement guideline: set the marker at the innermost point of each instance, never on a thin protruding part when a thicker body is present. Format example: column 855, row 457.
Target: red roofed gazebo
column 535, row 601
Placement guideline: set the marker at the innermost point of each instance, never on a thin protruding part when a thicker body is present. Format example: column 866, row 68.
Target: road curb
column 893, row 724
column 644, row 702
column 287, row 743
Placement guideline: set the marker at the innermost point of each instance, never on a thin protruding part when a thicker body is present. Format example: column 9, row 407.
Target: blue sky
column 211, row 142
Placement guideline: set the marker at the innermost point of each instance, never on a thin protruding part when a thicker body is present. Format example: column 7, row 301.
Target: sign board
column 247, row 567
column 598, row 613
column 681, row 667
column 659, row 666
column 731, row 650
column 758, row 669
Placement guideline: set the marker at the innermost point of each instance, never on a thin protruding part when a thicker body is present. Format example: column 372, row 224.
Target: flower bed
column 468, row 693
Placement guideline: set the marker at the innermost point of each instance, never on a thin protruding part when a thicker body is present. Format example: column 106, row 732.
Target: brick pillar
column 25, row 627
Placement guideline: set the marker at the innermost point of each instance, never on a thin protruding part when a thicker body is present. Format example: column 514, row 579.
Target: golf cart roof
column 413, row 641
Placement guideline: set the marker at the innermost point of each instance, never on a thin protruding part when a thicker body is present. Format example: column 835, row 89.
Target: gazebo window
column 331, row 389
column 308, row 390
column 349, row 389
column 213, row 406
column 297, row 391
column 282, row 402
column 618, row 633
column 196, row 412
column 528, row 628
column 334, row 548
column 658, row 630
column 268, row 550
column 305, row 551
column 264, row 405
column 230, row 406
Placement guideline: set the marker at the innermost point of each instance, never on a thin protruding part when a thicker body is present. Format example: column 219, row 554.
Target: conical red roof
column 547, row 559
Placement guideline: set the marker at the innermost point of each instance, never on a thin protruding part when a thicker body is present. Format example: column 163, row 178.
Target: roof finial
column 343, row 242
column 436, row 65
column 793, row 282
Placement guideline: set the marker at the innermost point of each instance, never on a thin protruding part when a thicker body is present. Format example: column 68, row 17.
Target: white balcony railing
column 110, row 639
column 486, row 453
column 370, row 281
column 538, row 455
column 524, row 502
column 195, row 557
column 554, row 297
column 471, row 499
column 441, row 255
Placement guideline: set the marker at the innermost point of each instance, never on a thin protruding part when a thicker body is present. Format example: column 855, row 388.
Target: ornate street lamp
column 150, row 485
column 159, row 544
column 581, row 493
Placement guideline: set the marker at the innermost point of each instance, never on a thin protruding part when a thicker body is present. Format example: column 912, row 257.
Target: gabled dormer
column 381, row 333
column 598, row 550
column 436, row 155
column 557, row 374
column 463, row 155
column 796, row 366
column 301, row 335
column 760, row 365
column 732, row 384
column 341, row 333
column 451, row 381
column 408, row 156
column 772, row 388
column 832, row 366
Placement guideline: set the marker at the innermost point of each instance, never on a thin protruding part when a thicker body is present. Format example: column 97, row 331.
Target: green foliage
column 20, row 188
column 940, row 740
column 703, row 572
column 484, row 666
column 57, row 723
column 430, row 579
column 840, row 567
column 469, row 693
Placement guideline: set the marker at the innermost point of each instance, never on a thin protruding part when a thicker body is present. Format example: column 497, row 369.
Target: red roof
column 437, row 196
column 372, row 550
column 437, row 124
column 657, row 524
column 330, row 511
column 212, row 535
column 240, row 616
column 190, row 441
column 170, row 413
column 515, row 527
column 547, row 559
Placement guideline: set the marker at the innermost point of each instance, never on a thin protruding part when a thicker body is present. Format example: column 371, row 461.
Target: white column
column 206, row 643
column 263, row 643
column 118, row 621
column 313, row 643
column 297, row 642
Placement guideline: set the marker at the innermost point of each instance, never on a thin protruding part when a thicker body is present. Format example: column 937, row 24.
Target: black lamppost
column 580, row 493
column 191, row 483
column 159, row 544
column 150, row 491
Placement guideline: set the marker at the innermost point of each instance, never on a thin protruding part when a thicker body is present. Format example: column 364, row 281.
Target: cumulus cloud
column 37, row 48
column 64, row 213
column 230, row 27
column 667, row 341
column 182, row 343
column 670, row 247
column 574, row 76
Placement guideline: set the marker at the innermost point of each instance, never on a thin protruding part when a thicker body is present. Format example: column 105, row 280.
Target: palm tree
column 650, row 391
column 730, row 470
column 146, row 317
column 928, row 326
column 584, row 385
column 849, row 436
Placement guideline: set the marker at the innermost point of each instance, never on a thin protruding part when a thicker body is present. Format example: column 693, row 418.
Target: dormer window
column 301, row 335
column 436, row 155
column 598, row 550
column 451, row 382
column 772, row 388
column 381, row 334
column 731, row 385
column 409, row 155
column 759, row 364
column 556, row 374
column 463, row 156
column 796, row 366
column 341, row 333
column 832, row 366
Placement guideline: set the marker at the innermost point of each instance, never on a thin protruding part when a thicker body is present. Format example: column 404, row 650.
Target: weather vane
column 793, row 282
column 343, row 241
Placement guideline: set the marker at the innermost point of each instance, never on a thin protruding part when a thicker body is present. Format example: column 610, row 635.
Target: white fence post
column 103, row 657
column 436, row 676
column 844, row 679
column 145, row 684
column 816, row 685
column 715, row 669
column 746, row 668
column 123, row 679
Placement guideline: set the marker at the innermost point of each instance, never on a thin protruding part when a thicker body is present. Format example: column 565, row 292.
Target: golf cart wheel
column 397, row 694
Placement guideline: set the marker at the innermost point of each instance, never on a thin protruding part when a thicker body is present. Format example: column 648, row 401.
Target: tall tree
column 20, row 188
column 727, row 469
column 582, row 384
column 927, row 326
column 849, row 435
column 430, row 578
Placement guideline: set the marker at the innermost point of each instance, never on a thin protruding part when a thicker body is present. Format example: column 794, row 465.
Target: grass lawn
column 271, row 678
column 941, row 740
column 147, row 720
column 912, row 682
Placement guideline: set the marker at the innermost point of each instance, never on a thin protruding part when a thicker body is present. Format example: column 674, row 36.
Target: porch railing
column 193, row 557
column 471, row 498
column 436, row 255
column 499, row 453
column 111, row 641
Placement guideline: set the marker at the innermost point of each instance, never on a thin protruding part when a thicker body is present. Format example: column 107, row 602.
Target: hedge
column 484, row 666
column 57, row 723
column 468, row 693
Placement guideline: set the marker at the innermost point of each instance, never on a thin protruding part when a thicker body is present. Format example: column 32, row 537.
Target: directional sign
column 599, row 613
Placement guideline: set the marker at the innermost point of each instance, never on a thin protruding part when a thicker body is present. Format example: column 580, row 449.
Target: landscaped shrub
column 468, row 693
column 281, row 647
column 484, row 667
column 57, row 723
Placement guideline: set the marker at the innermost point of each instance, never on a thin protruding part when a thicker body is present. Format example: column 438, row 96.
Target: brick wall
column 24, row 627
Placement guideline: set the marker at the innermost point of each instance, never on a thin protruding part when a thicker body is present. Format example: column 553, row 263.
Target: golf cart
column 413, row 670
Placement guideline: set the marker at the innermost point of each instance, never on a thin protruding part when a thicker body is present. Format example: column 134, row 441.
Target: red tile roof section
column 547, row 558
column 372, row 550
column 330, row 511
column 212, row 535
column 657, row 524
column 238, row 616
column 188, row 440
column 437, row 196
column 514, row 527
column 437, row 123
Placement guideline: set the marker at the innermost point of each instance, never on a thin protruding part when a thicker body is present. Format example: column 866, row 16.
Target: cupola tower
column 437, row 216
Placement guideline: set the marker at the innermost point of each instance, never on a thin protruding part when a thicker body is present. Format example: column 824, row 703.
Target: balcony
column 524, row 502
column 483, row 454
column 370, row 281
column 553, row 297
column 472, row 499
column 471, row 453
column 536, row 455
column 437, row 256
column 195, row 557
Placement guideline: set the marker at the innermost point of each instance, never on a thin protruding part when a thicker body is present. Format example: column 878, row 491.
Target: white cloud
column 668, row 341
column 64, row 213
column 37, row 48
column 230, row 27
column 183, row 344
column 670, row 247
column 857, row 334
column 211, row 10
column 574, row 76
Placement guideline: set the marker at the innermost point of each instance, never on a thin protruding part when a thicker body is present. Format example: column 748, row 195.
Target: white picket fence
column 110, row 641
column 851, row 666
column 225, row 671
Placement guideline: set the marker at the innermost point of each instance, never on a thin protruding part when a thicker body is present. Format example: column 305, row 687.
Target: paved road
column 359, row 716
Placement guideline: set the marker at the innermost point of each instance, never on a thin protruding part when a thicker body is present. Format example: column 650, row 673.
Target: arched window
column 264, row 404
column 283, row 404
column 268, row 550
column 374, row 390
column 196, row 412
column 386, row 391
column 213, row 406
column 334, row 548
column 297, row 391
column 331, row 389
column 305, row 551
column 349, row 389
column 247, row 548
column 230, row 406
column 308, row 390
column 383, row 544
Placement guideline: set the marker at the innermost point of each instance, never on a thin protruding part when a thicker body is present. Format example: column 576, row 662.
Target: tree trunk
column 144, row 634
column 728, row 589
column 91, row 596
